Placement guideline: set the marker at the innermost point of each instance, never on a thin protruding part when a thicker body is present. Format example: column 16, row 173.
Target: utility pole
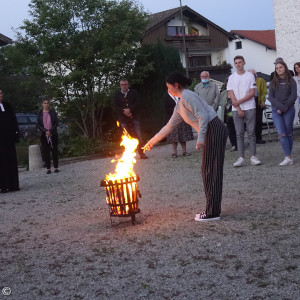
column 184, row 48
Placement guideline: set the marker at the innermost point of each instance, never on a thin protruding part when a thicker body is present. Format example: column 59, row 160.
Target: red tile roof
column 263, row 37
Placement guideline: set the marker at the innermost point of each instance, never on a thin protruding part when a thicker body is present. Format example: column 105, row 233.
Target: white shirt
column 241, row 85
column 2, row 107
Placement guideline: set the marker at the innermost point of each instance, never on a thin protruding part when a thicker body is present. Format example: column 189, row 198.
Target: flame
column 124, row 169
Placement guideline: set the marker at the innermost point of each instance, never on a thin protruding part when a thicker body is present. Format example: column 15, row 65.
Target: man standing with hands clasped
column 241, row 90
column 126, row 104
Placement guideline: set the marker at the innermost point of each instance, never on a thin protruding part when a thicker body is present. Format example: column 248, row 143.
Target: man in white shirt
column 241, row 90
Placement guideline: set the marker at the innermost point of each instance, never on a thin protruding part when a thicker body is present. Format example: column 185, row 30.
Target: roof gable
column 160, row 18
column 263, row 37
column 4, row 40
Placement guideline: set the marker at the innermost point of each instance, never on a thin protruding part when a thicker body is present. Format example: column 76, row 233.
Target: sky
column 228, row 14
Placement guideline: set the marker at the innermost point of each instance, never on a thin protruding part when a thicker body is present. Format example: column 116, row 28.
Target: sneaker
column 48, row 172
column 287, row 161
column 233, row 148
column 260, row 142
column 204, row 218
column 186, row 154
column 174, row 155
column 239, row 162
column 255, row 161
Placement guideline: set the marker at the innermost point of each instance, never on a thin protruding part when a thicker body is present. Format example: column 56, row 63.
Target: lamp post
column 183, row 38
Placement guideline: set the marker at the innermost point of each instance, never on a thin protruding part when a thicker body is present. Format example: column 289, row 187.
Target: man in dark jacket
column 126, row 104
column 9, row 135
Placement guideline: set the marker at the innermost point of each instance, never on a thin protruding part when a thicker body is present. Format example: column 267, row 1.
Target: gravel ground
column 57, row 241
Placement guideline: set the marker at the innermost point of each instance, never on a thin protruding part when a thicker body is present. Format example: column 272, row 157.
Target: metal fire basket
column 122, row 197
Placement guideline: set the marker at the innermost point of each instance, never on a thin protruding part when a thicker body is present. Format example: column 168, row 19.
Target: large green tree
column 20, row 88
column 164, row 59
column 82, row 48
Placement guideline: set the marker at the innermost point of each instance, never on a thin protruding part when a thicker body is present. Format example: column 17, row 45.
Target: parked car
column 27, row 126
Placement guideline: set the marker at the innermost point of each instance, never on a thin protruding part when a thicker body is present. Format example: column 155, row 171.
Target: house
column 4, row 40
column 258, row 47
column 206, row 43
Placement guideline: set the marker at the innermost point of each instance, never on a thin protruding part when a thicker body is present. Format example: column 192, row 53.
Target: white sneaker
column 204, row 218
column 287, row 161
column 239, row 162
column 255, row 161
column 233, row 148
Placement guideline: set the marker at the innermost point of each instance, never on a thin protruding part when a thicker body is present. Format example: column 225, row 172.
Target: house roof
column 263, row 37
column 160, row 18
column 4, row 40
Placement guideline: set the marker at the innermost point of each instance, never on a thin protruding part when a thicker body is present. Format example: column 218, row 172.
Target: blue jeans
column 284, row 127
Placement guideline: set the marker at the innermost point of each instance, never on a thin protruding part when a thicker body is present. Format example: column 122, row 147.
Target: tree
column 20, row 88
column 165, row 59
column 83, row 47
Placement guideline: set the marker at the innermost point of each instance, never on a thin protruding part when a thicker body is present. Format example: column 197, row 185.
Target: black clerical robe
column 9, row 135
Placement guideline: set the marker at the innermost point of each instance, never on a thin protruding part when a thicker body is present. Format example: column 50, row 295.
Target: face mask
column 205, row 80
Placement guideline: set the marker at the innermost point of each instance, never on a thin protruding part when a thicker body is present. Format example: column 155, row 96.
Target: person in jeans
column 241, row 91
column 126, row 103
column 47, row 122
column 282, row 95
column 212, row 136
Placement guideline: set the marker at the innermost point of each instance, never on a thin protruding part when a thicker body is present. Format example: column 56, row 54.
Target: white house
column 258, row 47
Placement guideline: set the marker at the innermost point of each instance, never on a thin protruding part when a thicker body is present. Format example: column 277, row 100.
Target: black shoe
column 143, row 156
column 48, row 172
column 56, row 171
column 3, row 191
column 260, row 142
column 14, row 189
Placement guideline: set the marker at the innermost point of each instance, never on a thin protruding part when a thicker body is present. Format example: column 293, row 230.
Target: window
column 197, row 61
column 238, row 45
column 175, row 30
column 22, row 120
column 195, row 32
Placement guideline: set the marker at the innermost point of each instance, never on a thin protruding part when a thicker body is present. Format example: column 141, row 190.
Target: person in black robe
column 9, row 135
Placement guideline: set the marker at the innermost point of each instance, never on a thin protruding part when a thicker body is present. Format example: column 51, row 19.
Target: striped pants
column 212, row 165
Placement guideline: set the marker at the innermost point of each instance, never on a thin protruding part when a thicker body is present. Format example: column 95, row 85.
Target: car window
column 22, row 120
column 32, row 119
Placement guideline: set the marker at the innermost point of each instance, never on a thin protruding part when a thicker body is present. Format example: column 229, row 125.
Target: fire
column 124, row 167
column 123, row 189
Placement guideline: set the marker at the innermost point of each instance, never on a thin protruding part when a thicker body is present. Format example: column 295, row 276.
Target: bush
column 22, row 153
column 80, row 146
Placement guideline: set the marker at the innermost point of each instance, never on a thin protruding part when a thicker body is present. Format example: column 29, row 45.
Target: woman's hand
column 199, row 145
column 279, row 111
column 147, row 147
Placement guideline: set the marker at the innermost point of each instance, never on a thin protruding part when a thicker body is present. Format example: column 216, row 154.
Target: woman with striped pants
column 212, row 136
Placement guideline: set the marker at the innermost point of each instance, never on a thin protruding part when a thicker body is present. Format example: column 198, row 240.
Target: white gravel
column 57, row 241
